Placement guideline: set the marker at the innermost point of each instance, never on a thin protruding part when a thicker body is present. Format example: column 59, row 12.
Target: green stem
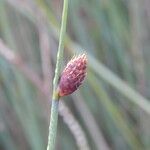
column 55, row 98
column 53, row 125
column 61, row 44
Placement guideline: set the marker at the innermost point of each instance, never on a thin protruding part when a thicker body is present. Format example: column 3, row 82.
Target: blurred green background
column 111, row 111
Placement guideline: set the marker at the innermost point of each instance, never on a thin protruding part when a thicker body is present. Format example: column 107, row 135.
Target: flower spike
column 73, row 75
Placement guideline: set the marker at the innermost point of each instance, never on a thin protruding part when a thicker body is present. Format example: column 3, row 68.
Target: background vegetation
column 111, row 111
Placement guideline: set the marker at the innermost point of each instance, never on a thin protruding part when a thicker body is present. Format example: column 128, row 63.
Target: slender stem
column 61, row 44
column 53, row 125
column 55, row 98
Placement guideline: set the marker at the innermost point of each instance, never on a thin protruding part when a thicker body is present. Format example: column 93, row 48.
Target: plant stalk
column 53, row 125
column 55, row 97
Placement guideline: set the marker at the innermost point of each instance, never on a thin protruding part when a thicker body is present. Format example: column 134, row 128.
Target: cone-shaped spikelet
column 73, row 75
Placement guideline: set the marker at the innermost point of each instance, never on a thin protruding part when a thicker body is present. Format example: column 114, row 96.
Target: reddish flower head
column 73, row 75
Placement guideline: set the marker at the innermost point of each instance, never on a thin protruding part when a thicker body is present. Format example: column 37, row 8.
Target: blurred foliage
column 111, row 108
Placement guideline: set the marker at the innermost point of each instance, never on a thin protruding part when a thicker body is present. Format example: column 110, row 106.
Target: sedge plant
column 66, row 83
column 55, row 96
